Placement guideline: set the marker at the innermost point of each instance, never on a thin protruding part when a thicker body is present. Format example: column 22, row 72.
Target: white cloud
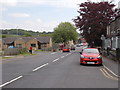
column 7, row 3
column 19, row 15
column 35, row 25
column 56, row 3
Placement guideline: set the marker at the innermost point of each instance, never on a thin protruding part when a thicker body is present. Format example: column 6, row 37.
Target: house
column 0, row 44
column 26, row 42
column 113, row 34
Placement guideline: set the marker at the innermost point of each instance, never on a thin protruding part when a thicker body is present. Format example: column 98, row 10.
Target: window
column 90, row 51
column 33, row 45
column 19, row 45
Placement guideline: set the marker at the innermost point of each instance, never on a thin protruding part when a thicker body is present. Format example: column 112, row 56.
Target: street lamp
column 102, row 38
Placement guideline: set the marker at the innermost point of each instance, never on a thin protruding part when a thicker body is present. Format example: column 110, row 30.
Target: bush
column 23, row 50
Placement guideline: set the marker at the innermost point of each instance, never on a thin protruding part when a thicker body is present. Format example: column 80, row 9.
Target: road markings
column 40, row 67
column 55, row 60
column 10, row 81
column 53, row 52
column 103, row 73
column 67, row 55
column 62, row 56
column 111, row 71
column 106, row 74
column 110, row 75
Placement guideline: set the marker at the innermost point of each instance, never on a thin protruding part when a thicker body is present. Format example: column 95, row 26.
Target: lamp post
column 103, row 38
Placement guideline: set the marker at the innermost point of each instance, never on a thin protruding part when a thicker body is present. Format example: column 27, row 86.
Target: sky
column 38, row 15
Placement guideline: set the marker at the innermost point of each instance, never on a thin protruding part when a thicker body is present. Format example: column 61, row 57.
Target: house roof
column 9, row 39
column 26, row 39
column 43, row 39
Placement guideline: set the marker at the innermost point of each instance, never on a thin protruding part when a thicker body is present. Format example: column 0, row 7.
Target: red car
column 90, row 56
column 66, row 49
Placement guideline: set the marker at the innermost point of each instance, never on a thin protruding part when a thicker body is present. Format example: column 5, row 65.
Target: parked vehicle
column 73, row 47
column 90, row 56
column 66, row 49
column 78, row 45
column 11, row 47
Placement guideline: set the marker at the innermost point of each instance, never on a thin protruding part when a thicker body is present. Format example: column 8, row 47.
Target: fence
column 14, row 51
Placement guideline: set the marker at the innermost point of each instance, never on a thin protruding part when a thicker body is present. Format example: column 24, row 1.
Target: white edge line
column 67, row 55
column 40, row 67
column 55, row 60
column 62, row 56
column 53, row 52
column 110, row 71
column 10, row 81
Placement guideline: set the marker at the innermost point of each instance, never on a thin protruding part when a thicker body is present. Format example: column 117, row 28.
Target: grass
column 7, row 57
column 27, row 54
column 39, row 50
column 23, row 54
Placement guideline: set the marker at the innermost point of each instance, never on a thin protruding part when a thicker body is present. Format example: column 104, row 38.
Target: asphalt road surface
column 56, row 70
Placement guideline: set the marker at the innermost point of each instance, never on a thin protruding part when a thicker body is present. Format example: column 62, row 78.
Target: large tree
column 93, row 19
column 64, row 32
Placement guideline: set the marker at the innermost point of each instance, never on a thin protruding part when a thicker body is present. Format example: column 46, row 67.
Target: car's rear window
column 90, row 51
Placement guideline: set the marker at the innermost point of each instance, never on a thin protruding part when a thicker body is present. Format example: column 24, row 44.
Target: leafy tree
column 93, row 19
column 64, row 32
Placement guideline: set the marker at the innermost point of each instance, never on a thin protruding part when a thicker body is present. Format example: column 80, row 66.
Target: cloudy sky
column 38, row 15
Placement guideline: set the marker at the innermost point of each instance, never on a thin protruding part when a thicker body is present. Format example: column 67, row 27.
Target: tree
column 64, row 32
column 93, row 20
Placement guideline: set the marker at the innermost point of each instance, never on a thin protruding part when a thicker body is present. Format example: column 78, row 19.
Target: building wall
column 33, row 41
column 19, row 41
column 0, row 45
column 27, row 44
column 50, row 43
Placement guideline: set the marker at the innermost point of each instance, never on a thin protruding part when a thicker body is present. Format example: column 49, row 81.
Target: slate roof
column 9, row 40
column 26, row 39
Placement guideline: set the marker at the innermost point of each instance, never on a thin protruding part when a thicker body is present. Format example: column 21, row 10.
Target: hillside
column 21, row 32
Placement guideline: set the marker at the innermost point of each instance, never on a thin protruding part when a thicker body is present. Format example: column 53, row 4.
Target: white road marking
column 67, row 55
column 62, row 56
column 55, row 60
column 110, row 71
column 10, row 81
column 40, row 67
column 53, row 52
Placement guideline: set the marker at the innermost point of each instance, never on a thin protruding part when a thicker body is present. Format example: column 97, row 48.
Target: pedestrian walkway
column 112, row 65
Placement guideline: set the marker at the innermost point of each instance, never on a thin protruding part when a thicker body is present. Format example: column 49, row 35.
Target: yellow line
column 110, row 75
column 106, row 74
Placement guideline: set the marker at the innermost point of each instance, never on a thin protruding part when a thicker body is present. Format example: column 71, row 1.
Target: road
column 56, row 70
